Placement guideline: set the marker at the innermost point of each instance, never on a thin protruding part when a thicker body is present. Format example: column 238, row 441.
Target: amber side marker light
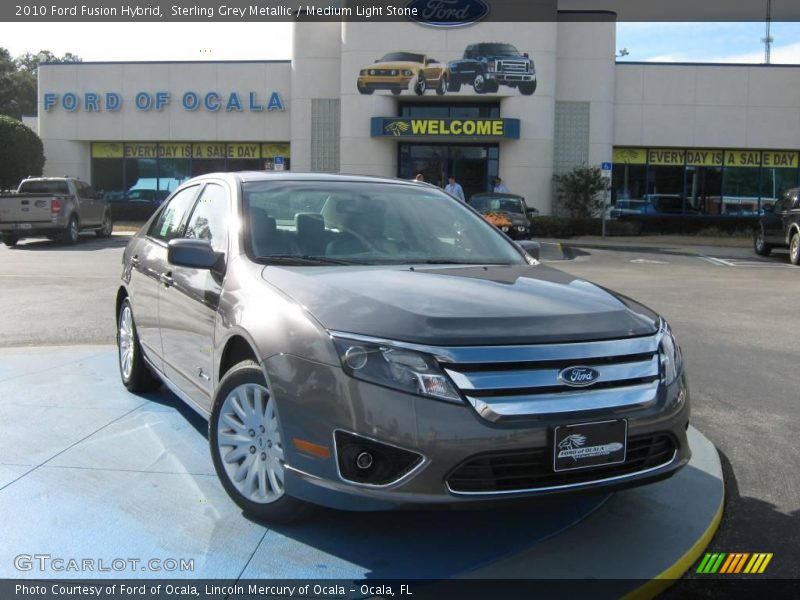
column 312, row 449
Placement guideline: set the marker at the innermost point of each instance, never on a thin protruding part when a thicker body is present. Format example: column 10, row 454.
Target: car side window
column 209, row 220
column 168, row 224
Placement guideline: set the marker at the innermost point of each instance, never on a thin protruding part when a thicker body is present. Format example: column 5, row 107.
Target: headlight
column 670, row 355
column 398, row 368
column 407, row 73
column 521, row 228
column 372, row 71
column 394, row 71
column 504, row 229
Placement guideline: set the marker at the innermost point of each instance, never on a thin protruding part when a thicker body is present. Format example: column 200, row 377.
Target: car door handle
column 135, row 262
column 166, row 279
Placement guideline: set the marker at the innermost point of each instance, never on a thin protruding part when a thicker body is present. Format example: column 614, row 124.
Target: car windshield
column 402, row 57
column 499, row 203
column 498, row 49
column 344, row 222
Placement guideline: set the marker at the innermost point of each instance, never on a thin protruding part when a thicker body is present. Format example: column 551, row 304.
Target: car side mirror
column 530, row 247
column 195, row 254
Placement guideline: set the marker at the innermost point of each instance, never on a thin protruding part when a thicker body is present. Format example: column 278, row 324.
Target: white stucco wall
column 732, row 106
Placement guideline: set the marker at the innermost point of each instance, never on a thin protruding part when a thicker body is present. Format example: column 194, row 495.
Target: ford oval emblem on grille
column 449, row 13
column 578, row 376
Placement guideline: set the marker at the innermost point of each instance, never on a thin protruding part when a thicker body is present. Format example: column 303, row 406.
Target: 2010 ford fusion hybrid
column 368, row 343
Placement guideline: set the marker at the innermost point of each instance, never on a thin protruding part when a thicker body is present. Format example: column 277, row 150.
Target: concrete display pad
column 88, row 470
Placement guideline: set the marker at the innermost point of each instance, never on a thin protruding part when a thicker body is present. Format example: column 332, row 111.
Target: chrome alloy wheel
column 107, row 225
column 794, row 249
column 249, row 443
column 126, row 342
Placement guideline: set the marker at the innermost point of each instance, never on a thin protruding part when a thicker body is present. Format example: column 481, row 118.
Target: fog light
column 364, row 461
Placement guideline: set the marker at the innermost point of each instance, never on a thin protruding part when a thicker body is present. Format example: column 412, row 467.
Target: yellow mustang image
column 398, row 71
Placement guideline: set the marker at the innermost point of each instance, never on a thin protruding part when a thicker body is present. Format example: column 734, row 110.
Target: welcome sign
column 440, row 128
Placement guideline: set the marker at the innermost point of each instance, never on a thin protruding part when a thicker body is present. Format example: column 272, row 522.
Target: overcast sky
column 672, row 42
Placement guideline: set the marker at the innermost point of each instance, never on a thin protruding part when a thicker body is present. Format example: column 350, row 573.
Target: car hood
column 462, row 305
column 393, row 65
column 515, row 218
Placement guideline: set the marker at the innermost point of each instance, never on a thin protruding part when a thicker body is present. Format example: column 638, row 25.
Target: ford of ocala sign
column 147, row 101
column 449, row 13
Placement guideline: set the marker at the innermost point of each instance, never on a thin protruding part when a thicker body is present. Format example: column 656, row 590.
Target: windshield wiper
column 305, row 259
column 451, row 261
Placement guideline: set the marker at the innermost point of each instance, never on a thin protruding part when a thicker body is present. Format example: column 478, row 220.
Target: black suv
column 780, row 227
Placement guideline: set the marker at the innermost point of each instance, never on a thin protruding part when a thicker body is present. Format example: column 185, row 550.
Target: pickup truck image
column 488, row 65
column 55, row 207
column 396, row 71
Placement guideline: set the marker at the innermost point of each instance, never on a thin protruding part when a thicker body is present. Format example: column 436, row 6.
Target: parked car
column 488, row 65
column 55, row 207
column 511, row 208
column 369, row 343
column 396, row 71
column 780, row 227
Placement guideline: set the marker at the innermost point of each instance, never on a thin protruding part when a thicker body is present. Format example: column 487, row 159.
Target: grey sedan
column 368, row 344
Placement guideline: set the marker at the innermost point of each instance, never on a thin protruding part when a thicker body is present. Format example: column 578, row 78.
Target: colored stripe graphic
column 734, row 563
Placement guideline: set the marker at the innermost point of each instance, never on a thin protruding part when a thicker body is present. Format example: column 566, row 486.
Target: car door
column 772, row 221
column 88, row 204
column 188, row 305
column 148, row 263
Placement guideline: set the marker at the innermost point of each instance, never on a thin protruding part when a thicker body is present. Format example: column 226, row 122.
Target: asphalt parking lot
column 734, row 315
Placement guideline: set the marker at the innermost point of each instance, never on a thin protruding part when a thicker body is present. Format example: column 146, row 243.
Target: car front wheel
column 247, row 446
column 133, row 370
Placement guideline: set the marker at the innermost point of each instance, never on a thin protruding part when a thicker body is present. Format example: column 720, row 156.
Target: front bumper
column 512, row 78
column 314, row 400
column 376, row 82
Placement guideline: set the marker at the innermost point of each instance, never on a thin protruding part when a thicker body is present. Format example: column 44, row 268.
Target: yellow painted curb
column 666, row 578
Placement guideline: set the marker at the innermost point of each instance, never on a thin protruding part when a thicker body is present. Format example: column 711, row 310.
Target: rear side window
column 44, row 187
column 169, row 223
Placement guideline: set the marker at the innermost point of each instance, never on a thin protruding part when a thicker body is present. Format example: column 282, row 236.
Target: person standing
column 454, row 189
column 419, row 177
column 499, row 186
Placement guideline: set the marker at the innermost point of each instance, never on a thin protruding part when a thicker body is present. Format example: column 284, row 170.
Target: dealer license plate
column 24, row 225
column 588, row 445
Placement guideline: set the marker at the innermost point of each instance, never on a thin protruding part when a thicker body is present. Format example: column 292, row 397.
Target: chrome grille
column 512, row 66
column 514, row 382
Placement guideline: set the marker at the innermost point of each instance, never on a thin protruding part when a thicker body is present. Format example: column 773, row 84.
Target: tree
column 18, row 80
column 21, row 152
column 577, row 190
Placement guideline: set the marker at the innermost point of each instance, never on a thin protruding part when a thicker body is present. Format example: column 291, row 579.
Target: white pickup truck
column 55, row 207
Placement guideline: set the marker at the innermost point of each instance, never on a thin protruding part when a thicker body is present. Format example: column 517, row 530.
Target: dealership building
column 523, row 101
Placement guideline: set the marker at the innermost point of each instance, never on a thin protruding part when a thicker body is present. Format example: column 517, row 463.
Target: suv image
column 488, row 65
column 780, row 227
column 370, row 343
column 396, row 71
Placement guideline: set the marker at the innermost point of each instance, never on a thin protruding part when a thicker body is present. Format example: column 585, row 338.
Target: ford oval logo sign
column 449, row 13
column 578, row 376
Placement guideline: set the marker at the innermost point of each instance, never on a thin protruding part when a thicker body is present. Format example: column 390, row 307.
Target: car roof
column 252, row 176
column 495, row 195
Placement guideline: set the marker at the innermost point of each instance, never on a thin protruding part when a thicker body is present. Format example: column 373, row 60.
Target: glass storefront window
column 150, row 171
column 419, row 110
column 664, row 190
column 474, row 166
column 703, row 190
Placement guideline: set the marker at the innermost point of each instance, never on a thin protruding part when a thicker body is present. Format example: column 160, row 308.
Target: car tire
column 441, row 88
column 107, row 228
column 133, row 370
column 10, row 240
column 421, row 85
column 364, row 90
column 71, row 235
column 479, row 84
column 527, row 88
column 794, row 249
column 759, row 245
column 248, row 453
